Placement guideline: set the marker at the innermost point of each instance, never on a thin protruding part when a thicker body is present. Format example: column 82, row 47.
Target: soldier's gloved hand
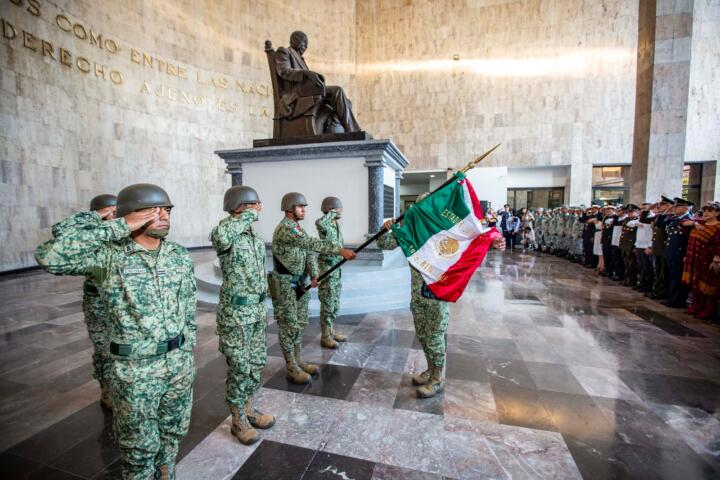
column 313, row 282
column 499, row 243
column 348, row 254
column 387, row 224
column 140, row 218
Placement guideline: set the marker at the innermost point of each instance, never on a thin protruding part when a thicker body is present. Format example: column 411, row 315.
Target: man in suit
column 300, row 86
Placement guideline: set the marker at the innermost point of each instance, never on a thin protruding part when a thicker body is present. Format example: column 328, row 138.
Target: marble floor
column 552, row 372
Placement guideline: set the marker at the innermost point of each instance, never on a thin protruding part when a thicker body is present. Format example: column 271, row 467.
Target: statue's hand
column 316, row 79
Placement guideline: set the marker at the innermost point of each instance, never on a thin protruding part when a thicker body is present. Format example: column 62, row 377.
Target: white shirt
column 644, row 235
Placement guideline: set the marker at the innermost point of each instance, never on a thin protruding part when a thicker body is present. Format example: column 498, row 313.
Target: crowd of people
column 667, row 250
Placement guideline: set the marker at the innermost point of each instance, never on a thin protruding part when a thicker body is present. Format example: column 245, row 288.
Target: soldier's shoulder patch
column 298, row 231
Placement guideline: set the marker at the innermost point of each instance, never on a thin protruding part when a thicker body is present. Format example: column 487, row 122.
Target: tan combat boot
column 294, row 373
column 310, row 368
column 421, row 378
column 339, row 337
column 164, row 471
column 434, row 386
column 256, row 418
column 327, row 340
column 241, row 427
column 105, row 398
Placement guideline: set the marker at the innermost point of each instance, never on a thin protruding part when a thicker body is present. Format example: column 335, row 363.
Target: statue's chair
column 318, row 119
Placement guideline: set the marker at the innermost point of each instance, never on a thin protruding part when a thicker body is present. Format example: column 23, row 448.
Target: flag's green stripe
column 436, row 213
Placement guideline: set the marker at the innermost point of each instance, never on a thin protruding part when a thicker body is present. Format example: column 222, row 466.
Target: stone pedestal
column 363, row 174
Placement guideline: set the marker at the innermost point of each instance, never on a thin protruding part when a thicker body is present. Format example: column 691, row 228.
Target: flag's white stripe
column 428, row 261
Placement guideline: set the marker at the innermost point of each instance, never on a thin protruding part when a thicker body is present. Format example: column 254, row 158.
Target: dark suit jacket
column 297, row 95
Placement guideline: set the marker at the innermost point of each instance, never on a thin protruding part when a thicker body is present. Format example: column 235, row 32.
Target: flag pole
column 301, row 289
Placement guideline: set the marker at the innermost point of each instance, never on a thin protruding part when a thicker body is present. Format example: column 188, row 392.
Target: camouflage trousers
column 96, row 323
column 245, row 349
column 291, row 316
column 152, row 400
column 431, row 319
column 329, row 295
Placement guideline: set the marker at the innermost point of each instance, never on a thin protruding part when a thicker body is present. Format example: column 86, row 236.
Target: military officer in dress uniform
column 675, row 250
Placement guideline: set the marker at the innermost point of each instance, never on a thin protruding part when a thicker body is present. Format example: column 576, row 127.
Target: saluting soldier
column 675, row 250
column 242, row 313
column 293, row 262
column 627, row 244
column 659, row 238
column 329, row 290
column 148, row 285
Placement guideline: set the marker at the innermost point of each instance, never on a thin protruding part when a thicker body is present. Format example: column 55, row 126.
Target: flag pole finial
column 475, row 162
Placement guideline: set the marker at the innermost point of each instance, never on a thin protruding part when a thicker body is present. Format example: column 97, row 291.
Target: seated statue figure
column 301, row 89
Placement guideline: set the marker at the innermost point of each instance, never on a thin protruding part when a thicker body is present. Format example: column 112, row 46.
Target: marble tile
column 390, row 359
column 374, row 387
column 698, row 428
column 471, row 400
column 276, row 460
column 352, row 355
column 600, row 382
column 359, row 431
column 218, row 456
column 331, row 466
column 407, row 399
column 390, row 472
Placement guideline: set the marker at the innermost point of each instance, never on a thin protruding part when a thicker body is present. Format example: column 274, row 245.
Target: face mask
column 157, row 232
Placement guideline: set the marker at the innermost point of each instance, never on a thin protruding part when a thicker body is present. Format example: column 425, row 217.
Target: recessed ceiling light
column 432, row 175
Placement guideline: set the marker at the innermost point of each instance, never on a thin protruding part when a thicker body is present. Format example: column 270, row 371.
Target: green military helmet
column 330, row 203
column 103, row 201
column 239, row 195
column 139, row 196
column 290, row 200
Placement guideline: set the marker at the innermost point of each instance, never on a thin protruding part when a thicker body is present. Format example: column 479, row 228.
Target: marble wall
column 553, row 80
column 98, row 95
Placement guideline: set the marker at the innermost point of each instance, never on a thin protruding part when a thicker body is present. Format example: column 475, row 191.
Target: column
column 710, row 185
column 398, row 177
column 235, row 171
column 661, row 102
column 579, row 184
column 375, row 194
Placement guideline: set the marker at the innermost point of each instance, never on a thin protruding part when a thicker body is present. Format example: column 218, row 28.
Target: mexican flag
column 443, row 237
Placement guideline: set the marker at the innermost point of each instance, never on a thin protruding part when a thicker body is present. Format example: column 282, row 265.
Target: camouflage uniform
column 242, row 313
column 94, row 309
column 329, row 290
column 291, row 249
column 540, row 231
column 430, row 316
column 150, row 296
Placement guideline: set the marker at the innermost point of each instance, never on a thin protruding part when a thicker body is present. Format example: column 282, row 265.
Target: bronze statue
column 304, row 105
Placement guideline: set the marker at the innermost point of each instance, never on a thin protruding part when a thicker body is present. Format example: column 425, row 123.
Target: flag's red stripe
column 477, row 208
column 453, row 282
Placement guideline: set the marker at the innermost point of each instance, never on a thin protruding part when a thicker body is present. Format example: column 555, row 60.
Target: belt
column 247, row 300
column 293, row 278
column 125, row 350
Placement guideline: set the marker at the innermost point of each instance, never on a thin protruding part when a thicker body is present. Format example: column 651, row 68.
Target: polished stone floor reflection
column 552, row 372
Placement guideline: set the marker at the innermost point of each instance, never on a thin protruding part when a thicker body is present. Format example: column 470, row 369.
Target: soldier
column 618, row 267
column 293, row 262
column 242, row 313
column 149, row 289
column 627, row 245
column 659, row 291
column 96, row 316
column 675, row 250
column 329, row 291
column 431, row 317
column 643, row 242
column 540, row 223
column 608, row 222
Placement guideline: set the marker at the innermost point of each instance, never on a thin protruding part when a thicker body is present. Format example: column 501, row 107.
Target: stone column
column 398, row 177
column 579, row 184
column 235, row 171
column 661, row 99
column 375, row 193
